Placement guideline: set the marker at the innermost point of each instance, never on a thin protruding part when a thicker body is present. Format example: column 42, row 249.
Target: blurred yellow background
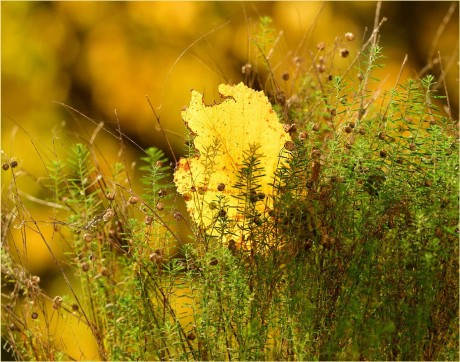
column 102, row 57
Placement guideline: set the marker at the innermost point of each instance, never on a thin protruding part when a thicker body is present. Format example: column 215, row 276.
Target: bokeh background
column 104, row 58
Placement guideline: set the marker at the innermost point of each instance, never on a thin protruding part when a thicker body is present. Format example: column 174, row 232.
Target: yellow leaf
column 223, row 133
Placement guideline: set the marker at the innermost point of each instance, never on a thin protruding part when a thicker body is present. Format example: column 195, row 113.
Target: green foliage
column 357, row 260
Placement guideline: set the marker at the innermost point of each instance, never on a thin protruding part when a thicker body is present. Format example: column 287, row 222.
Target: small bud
column 349, row 36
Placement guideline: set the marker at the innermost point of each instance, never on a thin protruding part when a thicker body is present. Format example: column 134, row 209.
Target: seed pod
column 246, row 69
column 382, row 135
column 261, row 195
column 84, row 266
column 34, row 315
column 344, row 52
column 160, row 206
column 321, row 68
column 133, row 200
column 222, row 213
column 348, row 129
column 289, row 145
column 159, row 164
column 315, row 127
column 178, row 216
column 362, row 131
column 13, row 163
column 87, row 237
column 148, row 220
column 428, row 183
column 109, row 213
column 5, row 166
column 221, row 187
column 303, row 136
column 162, row 193
column 349, row 36
column 110, row 196
column 320, row 45
column 285, row 76
column 383, row 153
column 57, row 301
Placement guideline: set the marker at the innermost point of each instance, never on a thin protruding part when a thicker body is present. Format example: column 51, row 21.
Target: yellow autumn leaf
column 223, row 134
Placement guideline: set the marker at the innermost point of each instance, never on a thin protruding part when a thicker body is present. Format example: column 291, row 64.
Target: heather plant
column 351, row 254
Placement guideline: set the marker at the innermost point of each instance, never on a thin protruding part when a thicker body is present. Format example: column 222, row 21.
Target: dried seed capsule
column 13, row 163
column 303, row 136
column 321, row 46
column 57, row 301
column 297, row 60
column 428, row 183
column 321, row 68
column 75, row 307
column 382, row 135
column 362, row 131
column 344, row 52
column 383, row 153
column 261, row 195
column 133, row 200
column 109, row 213
column 110, row 196
column 87, row 237
column 159, row 164
column 178, row 216
column 221, row 187
column 315, row 127
column 162, row 193
column 348, row 129
column 289, row 145
column 285, row 76
column 349, row 36
column 34, row 315
column 5, row 166
column 351, row 124
column 84, row 266
column 160, row 206
column 148, row 220
column 222, row 213
column 246, row 69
